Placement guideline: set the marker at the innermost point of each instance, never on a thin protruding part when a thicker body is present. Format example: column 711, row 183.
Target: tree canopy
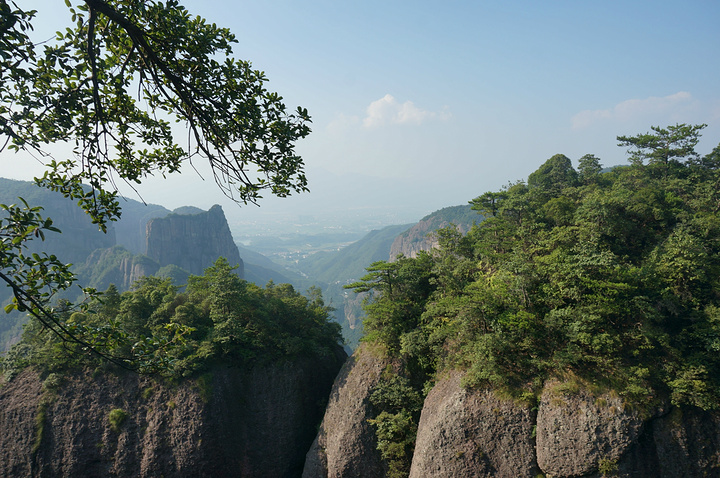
column 607, row 279
column 112, row 86
column 218, row 317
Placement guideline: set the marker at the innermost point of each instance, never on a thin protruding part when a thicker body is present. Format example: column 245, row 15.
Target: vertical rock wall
column 192, row 242
column 474, row 433
column 256, row 422
column 345, row 446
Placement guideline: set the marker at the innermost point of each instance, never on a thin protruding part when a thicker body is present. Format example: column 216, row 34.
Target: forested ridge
column 217, row 318
column 605, row 279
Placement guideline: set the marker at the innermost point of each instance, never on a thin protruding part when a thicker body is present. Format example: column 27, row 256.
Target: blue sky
column 421, row 105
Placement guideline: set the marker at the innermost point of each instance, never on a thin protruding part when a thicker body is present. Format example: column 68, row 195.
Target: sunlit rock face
column 568, row 433
column 473, row 433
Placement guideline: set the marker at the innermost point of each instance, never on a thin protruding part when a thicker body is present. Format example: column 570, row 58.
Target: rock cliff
column 346, row 445
column 464, row 433
column 418, row 238
column 475, row 433
column 230, row 422
column 115, row 265
column 192, row 241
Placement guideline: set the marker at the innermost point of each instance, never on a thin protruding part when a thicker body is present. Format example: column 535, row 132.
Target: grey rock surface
column 473, row 434
column 346, row 446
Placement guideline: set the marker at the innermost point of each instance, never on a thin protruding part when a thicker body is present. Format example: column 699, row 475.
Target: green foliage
column 204, row 385
column 400, row 290
column 110, row 86
column 116, row 418
column 555, row 175
column 397, row 405
column 219, row 317
column 396, row 439
column 101, row 82
column 611, row 277
column 607, row 467
column 663, row 145
column 40, row 419
column 147, row 393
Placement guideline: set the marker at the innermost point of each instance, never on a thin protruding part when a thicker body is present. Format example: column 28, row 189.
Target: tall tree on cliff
column 110, row 86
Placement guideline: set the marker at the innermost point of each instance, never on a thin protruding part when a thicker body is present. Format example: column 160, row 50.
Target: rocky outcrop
column 473, row 433
column 230, row 422
column 419, row 238
column 577, row 432
column 580, row 434
column 115, row 265
column 345, row 446
column 571, row 433
column 192, row 242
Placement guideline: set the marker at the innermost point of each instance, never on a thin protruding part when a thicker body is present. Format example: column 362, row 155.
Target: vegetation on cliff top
column 218, row 318
column 610, row 278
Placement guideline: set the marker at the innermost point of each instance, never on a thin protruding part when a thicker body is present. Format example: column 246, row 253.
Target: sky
column 421, row 105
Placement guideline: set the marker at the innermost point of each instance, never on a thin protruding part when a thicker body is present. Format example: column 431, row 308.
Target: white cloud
column 630, row 110
column 387, row 110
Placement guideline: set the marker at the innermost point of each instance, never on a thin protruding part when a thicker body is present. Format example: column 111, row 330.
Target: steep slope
column 79, row 236
column 231, row 422
column 418, row 238
column 350, row 262
column 192, row 241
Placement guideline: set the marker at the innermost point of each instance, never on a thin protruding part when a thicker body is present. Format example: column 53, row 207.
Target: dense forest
column 605, row 279
column 157, row 328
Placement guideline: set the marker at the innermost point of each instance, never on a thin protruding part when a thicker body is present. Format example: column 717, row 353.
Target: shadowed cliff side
column 231, row 422
column 192, row 242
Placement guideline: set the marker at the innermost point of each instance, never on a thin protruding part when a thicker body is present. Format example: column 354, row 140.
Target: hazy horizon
column 418, row 106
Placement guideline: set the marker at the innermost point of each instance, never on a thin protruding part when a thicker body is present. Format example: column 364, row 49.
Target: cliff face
column 418, row 237
column 115, row 265
column 192, row 242
column 256, row 422
column 346, row 445
column 474, row 433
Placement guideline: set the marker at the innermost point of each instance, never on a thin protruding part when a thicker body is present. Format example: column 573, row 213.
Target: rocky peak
column 192, row 241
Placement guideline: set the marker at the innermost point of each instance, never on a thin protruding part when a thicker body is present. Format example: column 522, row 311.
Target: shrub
column 116, row 418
